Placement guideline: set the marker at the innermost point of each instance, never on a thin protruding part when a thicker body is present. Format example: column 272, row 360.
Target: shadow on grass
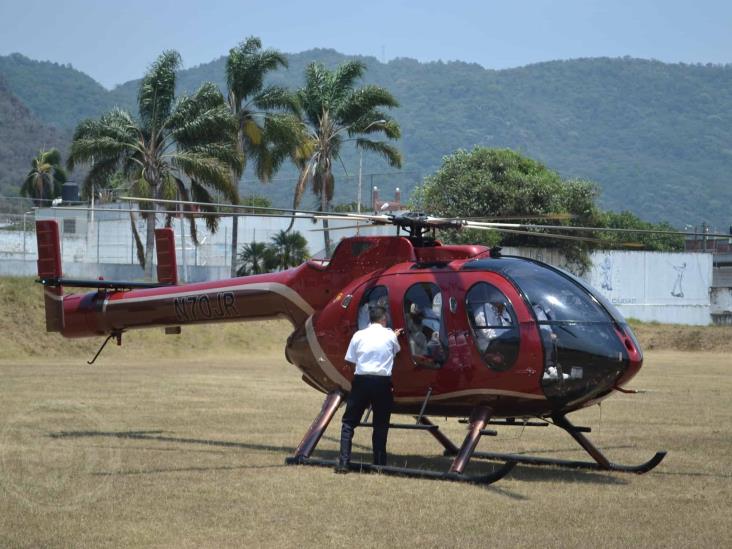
column 432, row 463
column 483, row 466
column 158, row 436
column 185, row 470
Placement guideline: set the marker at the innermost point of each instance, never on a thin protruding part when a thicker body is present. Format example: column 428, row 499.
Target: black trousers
column 365, row 391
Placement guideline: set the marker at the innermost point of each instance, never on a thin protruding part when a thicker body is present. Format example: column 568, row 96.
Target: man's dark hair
column 377, row 313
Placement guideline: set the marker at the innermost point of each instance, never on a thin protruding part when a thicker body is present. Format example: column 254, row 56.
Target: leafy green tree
column 499, row 182
column 649, row 241
column 45, row 178
column 175, row 147
column 335, row 112
column 265, row 130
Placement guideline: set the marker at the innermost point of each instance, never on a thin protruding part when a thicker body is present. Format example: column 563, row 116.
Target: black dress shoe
column 341, row 468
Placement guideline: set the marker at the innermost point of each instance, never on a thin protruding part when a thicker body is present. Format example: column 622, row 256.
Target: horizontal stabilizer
column 99, row 283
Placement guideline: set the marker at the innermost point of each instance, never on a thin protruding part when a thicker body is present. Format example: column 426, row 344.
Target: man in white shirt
column 372, row 351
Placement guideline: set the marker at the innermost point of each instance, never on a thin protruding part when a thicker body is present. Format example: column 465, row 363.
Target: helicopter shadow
column 160, row 437
column 415, row 461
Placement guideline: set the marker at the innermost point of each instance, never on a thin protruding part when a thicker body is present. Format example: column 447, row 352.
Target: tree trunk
column 149, row 246
column 324, row 209
column 234, row 243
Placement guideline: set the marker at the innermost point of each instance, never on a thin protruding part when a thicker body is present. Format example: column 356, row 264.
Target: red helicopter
column 497, row 339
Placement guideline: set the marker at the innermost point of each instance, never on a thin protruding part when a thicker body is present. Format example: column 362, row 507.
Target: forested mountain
column 21, row 137
column 656, row 137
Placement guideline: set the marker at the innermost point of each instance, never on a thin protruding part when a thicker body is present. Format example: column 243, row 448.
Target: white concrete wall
column 654, row 286
column 672, row 288
column 721, row 305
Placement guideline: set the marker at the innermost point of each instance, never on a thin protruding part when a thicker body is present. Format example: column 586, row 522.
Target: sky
column 115, row 41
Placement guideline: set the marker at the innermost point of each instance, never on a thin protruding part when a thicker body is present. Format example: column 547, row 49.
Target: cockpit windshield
column 582, row 350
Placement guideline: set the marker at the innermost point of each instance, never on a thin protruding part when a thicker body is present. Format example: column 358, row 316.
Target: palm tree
column 252, row 259
column 335, row 112
column 265, row 130
column 175, row 147
column 291, row 248
column 45, row 178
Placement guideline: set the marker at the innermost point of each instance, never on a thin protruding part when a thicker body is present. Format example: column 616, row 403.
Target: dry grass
column 180, row 441
column 190, row 453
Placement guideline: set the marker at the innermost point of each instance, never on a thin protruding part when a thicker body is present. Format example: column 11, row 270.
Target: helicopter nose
column 585, row 360
column 635, row 355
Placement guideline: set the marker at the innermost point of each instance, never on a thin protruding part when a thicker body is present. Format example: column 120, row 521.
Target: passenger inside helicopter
column 493, row 323
column 376, row 296
column 425, row 329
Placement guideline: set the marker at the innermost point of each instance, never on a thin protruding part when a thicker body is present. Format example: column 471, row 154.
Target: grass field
column 190, row 452
column 180, row 442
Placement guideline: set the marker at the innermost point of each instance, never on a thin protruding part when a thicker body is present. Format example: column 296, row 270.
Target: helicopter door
column 424, row 326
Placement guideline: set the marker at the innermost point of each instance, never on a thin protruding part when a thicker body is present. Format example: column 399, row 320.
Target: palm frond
column 275, row 97
column 113, row 132
column 51, row 156
column 346, row 74
column 246, row 68
column 98, row 176
column 361, row 102
column 200, row 194
column 387, row 151
column 206, row 108
column 157, row 90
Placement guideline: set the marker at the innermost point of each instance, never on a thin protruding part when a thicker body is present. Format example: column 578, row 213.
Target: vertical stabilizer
column 49, row 271
column 167, row 265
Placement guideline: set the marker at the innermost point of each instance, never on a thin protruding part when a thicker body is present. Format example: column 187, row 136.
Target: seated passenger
column 417, row 339
column 489, row 318
column 434, row 348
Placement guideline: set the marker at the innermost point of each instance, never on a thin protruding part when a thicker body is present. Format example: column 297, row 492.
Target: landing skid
column 478, row 421
column 489, row 478
column 537, row 460
column 601, row 462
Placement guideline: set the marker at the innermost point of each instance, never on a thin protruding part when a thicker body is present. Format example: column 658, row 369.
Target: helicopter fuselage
column 516, row 335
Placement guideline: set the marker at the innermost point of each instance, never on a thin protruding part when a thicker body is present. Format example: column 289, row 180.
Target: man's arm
column 350, row 357
column 395, row 341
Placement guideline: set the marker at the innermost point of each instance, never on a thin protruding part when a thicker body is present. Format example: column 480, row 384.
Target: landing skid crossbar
column 488, row 478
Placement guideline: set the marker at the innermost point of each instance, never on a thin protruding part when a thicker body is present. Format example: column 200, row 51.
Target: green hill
column 657, row 137
column 58, row 95
column 21, row 136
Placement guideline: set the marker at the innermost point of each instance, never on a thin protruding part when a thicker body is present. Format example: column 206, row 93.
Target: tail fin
column 167, row 265
column 49, row 271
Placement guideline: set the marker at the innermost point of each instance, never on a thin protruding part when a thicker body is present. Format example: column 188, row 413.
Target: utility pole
column 360, row 172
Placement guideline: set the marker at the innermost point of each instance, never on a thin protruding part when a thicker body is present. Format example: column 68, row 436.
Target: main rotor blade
column 600, row 229
column 178, row 212
column 364, row 226
column 216, row 204
column 556, row 216
column 544, row 235
column 383, row 219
